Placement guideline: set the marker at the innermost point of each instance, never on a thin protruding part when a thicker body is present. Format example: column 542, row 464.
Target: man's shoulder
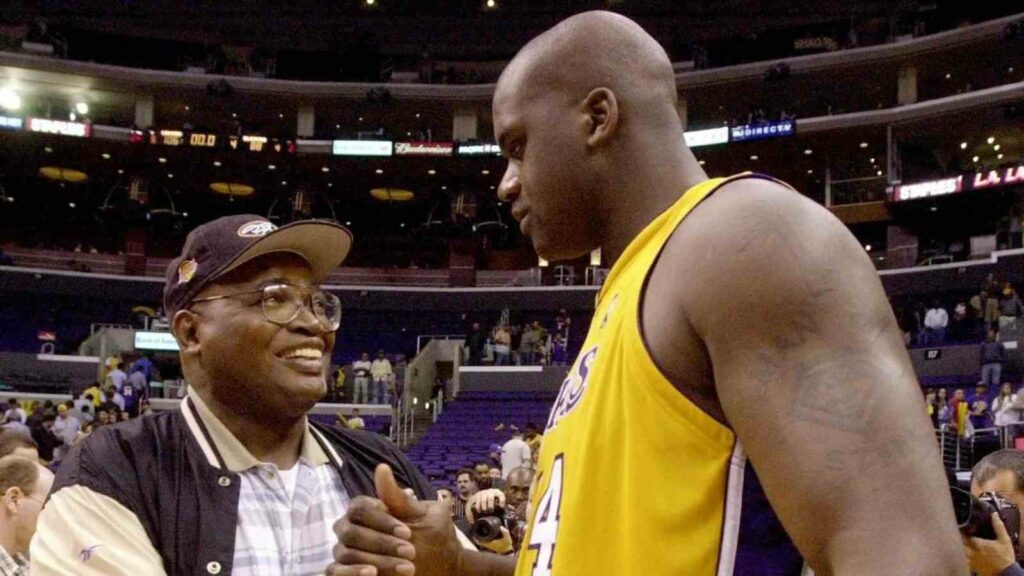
column 108, row 459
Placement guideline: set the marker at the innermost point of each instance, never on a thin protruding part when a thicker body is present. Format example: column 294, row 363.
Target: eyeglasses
column 282, row 304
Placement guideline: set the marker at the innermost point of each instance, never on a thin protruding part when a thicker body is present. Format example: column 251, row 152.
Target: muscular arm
column 812, row 375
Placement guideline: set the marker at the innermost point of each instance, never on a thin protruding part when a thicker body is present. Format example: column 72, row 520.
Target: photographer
column 498, row 518
column 1001, row 472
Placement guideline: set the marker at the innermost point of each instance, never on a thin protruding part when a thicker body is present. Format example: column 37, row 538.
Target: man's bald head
column 594, row 50
column 586, row 115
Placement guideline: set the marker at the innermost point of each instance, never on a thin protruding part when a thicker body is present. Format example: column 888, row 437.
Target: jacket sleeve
column 85, row 533
column 1013, row 570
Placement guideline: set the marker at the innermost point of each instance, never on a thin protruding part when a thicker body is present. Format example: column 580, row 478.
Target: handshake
column 396, row 535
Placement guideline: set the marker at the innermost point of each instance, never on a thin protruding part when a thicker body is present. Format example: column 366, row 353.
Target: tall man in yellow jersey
column 742, row 354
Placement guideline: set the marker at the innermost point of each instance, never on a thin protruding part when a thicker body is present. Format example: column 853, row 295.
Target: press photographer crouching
column 497, row 519
column 990, row 522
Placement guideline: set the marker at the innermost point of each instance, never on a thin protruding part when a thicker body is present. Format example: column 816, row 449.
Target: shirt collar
column 236, row 457
column 12, row 565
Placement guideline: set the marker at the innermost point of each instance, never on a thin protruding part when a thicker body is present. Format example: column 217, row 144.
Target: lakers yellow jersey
column 634, row 479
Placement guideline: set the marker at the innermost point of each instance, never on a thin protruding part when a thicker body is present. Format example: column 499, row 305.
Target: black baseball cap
column 218, row 247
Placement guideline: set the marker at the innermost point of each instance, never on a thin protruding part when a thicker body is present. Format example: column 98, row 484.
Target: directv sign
column 11, row 123
column 478, row 149
column 155, row 341
column 697, row 138
column 362, row 148
column 762, row 131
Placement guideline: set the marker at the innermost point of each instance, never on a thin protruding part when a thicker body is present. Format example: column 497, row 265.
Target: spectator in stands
column 465, row 482
column 562, row 323
column 117, row 377
column 145, row 363
column 1004, row 409
column 992, row 311
column 945, row 411
column 960, row 410
column 79, row 400
column 515, row 341
column 138, row 380
column 18, row 445
column 76, row 413
column 935, row 322
column 482, row 475
column 981, row 416
column 993, row 355
column 494, row 478
column 976, row 312
column 44, row 437
column 13, row 425
column 530, row 345
column 515, row 454
column 112, row 399
column 102, row 418
column 24, row 484
column 960, row 325
column 240, row 468
column 65, row 428
column 476, row 341
column 1010, row 306
column 356, row 422
column 558, row 350
column 5, row 260
column 361, row 371
column 1001, row 472
column 502, row 345
column 130, row 397
column 532, row 436
column 13, row 408
column 382, row 373
column 932, row 407
column 95, row 393
column 494, row 455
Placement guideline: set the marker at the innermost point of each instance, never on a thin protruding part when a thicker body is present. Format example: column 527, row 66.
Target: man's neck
column 654, row 183
column 8, row 539
column 273, row 441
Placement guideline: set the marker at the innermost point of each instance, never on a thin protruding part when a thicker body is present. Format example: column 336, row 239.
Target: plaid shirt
column 276, row 533
column 16, row 566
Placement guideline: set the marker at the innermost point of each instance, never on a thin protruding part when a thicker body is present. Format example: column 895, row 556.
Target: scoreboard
column 244, row 142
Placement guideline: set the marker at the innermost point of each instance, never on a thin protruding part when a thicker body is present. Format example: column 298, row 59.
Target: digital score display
column 245, row 142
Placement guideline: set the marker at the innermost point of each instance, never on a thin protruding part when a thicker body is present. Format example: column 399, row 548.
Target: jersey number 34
column 545, row 528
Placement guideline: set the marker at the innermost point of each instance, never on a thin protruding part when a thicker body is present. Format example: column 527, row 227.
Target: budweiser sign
column 424, row 148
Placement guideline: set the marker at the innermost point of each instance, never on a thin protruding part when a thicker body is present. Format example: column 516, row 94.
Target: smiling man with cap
column 238, row 481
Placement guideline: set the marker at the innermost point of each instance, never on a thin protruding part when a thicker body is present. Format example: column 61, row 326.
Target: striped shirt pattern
column 278, row 535
column 12, row 565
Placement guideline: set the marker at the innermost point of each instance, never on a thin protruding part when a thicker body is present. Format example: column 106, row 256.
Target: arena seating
column 465, row 431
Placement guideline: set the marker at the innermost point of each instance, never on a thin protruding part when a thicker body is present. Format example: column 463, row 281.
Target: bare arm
column 812, row 375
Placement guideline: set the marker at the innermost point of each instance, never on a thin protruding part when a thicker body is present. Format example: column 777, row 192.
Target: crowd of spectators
column 488, row 501
column 996, row 306
column 530, row 344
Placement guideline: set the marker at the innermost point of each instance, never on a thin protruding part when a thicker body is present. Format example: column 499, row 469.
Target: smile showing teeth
column 311, row 353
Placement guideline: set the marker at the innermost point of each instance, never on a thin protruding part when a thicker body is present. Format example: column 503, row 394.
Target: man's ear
column 602, row 109
column 185, row 327
column 11, row 499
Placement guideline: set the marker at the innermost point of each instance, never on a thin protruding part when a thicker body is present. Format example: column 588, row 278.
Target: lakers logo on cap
column 186, row 270
column 256, row 228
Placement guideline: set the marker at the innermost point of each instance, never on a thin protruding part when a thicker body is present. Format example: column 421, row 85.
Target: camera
column 974, row 516
column 488, row 528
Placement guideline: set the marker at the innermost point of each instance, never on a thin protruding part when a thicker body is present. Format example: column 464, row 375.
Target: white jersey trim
column 733, row 509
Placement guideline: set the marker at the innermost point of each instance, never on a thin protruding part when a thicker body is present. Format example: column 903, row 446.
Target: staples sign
column 929, row 189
